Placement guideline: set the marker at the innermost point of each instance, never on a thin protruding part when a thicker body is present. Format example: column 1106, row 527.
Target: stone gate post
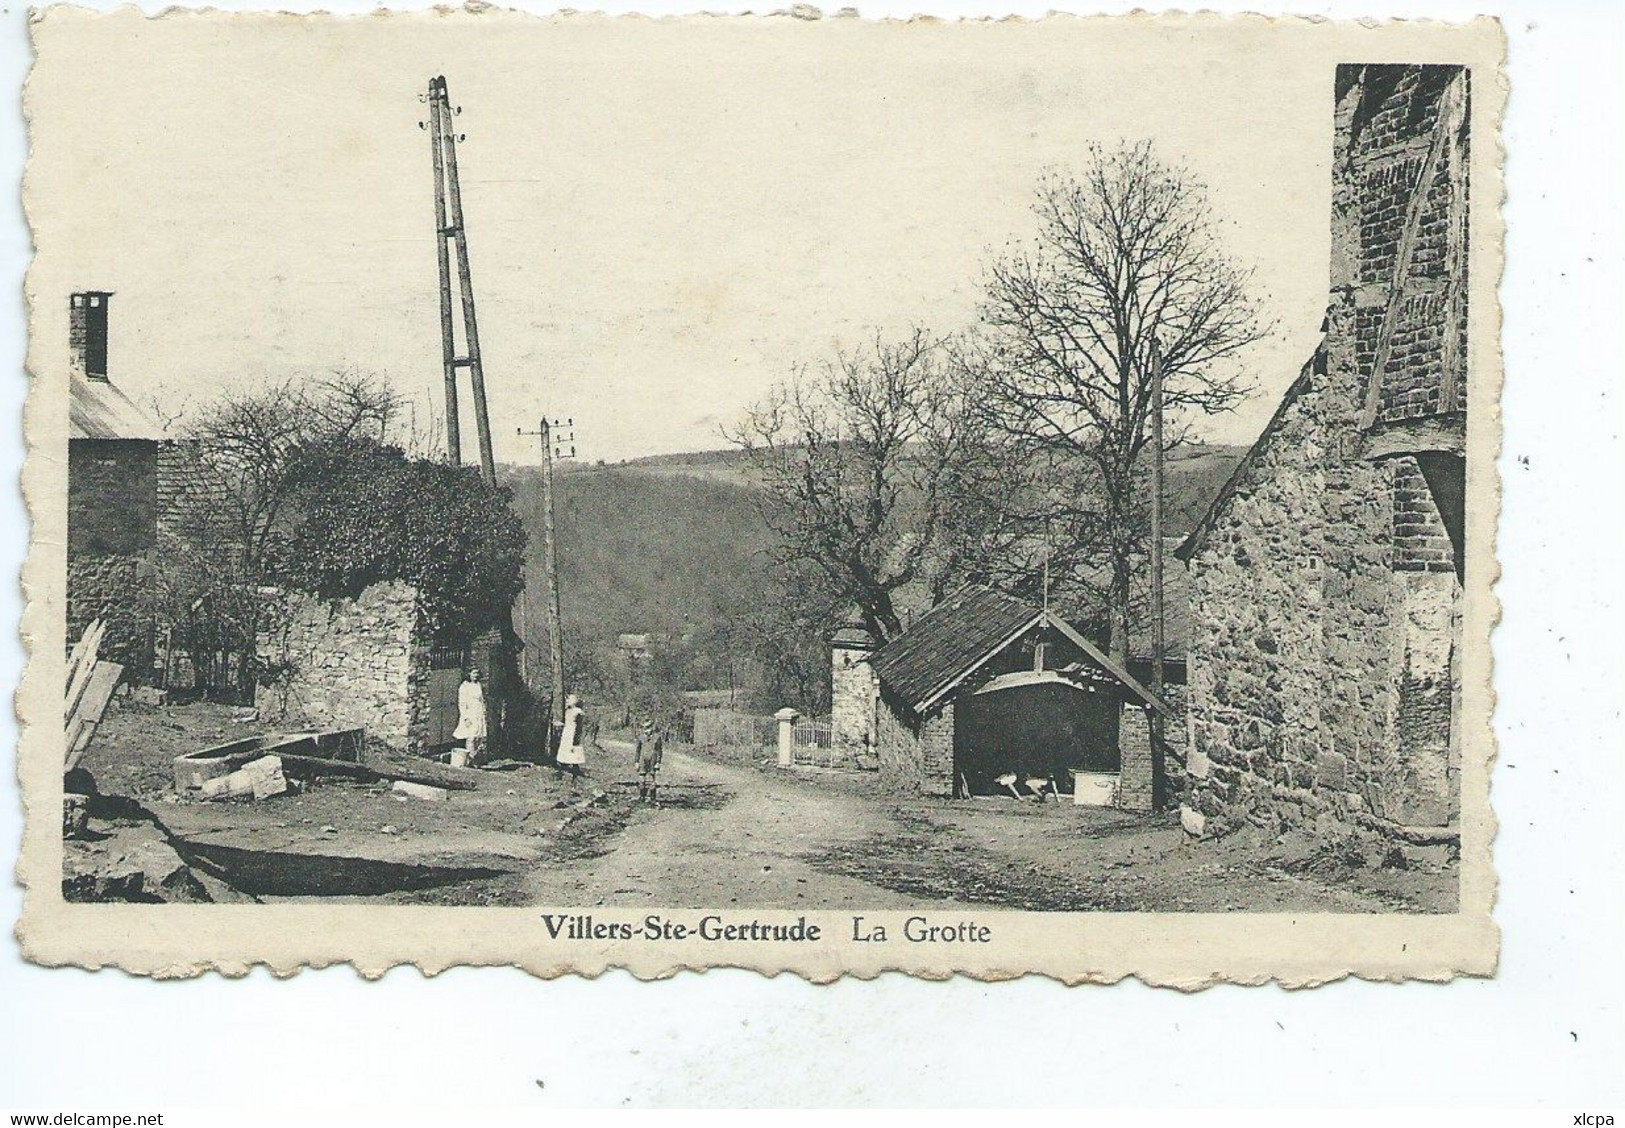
column 787, row 736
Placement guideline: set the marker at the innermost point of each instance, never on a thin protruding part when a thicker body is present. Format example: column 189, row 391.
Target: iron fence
column 814, row 736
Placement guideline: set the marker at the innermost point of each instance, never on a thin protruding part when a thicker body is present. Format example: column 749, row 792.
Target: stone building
column 1326, row 578
column 983, row 685
column 375, row 661
column 122, row 481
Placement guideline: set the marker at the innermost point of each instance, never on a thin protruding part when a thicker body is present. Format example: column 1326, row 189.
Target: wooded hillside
column 675, row 547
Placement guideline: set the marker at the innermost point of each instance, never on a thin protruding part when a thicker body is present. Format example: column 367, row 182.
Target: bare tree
column 858, row 459
column 1124, row 261
column 239, row 490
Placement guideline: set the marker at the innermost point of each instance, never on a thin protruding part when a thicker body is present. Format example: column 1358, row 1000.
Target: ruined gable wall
column 1401, row 210
column 348, row 662
column 1257, row 659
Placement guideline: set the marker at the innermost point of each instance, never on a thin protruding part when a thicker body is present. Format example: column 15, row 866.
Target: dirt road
column 746, row 835
column 726, row 834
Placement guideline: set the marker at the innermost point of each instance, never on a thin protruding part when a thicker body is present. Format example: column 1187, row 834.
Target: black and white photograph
column 849, row 518
column 942, row 557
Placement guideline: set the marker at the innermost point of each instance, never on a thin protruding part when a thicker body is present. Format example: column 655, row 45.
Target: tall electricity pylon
column 450, row 238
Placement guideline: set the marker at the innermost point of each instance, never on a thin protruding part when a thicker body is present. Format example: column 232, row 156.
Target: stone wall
column 897, row 746
column 121, row 494
column 1321, row 682
column 1325, row 582
column 1151, row 776
column 112, row 497
column 1136, row 775
column 1288, row 593
column 118, row 590
column 112, row 529
column 915, row 754
column 937, row 753
column 348, row 662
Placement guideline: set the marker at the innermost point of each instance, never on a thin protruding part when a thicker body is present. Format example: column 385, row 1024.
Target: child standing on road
column 651, row 745
column 572, row 753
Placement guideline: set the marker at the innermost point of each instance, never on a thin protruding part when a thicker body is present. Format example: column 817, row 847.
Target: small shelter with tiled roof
column 985, row 686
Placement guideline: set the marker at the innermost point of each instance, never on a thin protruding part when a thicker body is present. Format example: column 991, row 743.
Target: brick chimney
column 87, row 333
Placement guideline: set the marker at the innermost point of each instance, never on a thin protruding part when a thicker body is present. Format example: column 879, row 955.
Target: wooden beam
column 1111, row 667
column 1402, row 265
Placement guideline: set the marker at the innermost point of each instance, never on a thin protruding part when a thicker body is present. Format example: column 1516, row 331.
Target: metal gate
column 445, row 677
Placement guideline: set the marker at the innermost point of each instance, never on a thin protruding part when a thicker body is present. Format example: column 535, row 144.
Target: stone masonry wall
column 897, row 747
column 118, row 590
column 916, row 756
column 1325, row 589
column 1321, row 681
column 112, row 528
column 1136, row 773
column 112, row 497
column 1256, row 673
column 121, row 492
column 349, row 662
column 937, row 753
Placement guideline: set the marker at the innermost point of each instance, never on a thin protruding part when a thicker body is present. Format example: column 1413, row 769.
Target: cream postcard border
column 1187, row 951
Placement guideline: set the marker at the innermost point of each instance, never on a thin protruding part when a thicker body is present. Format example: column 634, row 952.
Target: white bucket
column 1093, row 789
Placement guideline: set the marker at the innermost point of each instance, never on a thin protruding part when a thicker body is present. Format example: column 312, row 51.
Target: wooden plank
column 76, row 656
column 92, row 642
column 371, row 772
column 82, row 726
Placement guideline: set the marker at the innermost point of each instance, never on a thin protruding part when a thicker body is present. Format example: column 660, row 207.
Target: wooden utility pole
column 448, row 218
column 550, row 562
column 1157, row 622
column 1156, row 521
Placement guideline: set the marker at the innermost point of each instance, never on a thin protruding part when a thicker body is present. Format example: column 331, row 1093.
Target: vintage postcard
column 795, row 492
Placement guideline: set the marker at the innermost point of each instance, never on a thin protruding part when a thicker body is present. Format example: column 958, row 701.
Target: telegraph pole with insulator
column 558, row 442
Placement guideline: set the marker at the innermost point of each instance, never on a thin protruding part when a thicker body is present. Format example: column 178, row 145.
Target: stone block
column 1331, row 771
column 1193, row 821
column 420, row 791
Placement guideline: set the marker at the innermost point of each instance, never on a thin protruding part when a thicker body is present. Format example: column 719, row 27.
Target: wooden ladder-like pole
column 449, row 217
column 448, row 340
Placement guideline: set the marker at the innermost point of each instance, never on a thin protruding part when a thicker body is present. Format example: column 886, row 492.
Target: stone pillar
column 787, row 736
column 853, row 690
column 1136, row 778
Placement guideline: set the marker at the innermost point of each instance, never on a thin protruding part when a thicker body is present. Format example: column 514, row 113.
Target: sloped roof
column 955, row 637
column 98, row 410
column 952, row 637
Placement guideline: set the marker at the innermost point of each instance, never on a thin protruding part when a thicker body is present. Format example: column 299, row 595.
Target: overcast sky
column 663, row 218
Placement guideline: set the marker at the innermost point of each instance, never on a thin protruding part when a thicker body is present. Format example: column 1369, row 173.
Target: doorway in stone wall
column 446, row 665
